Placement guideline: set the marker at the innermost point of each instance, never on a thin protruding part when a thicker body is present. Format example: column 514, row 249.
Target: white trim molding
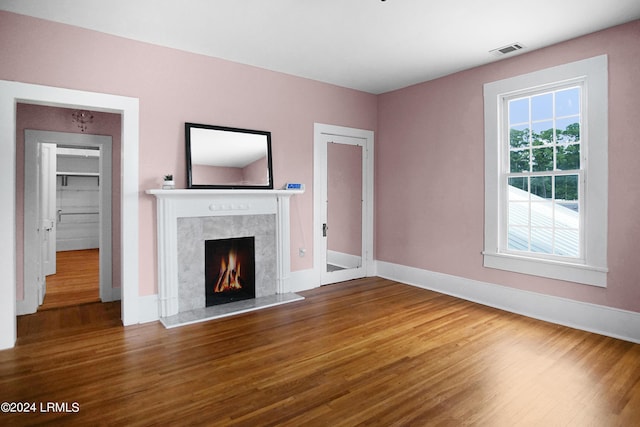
column 608, row 321
column 148, row 308
column 322, row 134
column 10, row 94
column 303, row 280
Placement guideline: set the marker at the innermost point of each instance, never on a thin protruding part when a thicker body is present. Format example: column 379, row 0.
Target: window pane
column 519, row 136
column 542, row 159
column 568, row 102
column 541, row 240
column 568, row 130
column 544, row 136
column 518, row 238
column 567, row 217
column 519, row 161
column 567, row 242
column 521, row 183
column 519, row 201
column 541, row 186
column 519, row 111
column 542, row 133
column 566, row 188
column 519, row 213
column 568, row 157
column 541, row 214
column 542, row 107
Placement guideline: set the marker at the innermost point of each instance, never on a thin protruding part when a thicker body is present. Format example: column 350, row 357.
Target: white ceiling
column 370, row 45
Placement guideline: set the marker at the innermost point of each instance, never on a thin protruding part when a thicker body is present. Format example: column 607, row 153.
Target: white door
column 47, row 209
column 39, row 221
column 343, row 162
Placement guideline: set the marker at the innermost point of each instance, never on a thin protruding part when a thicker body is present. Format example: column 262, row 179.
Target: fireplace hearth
column 229, row 270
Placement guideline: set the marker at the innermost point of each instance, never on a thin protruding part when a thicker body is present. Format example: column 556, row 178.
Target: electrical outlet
column 302, row 252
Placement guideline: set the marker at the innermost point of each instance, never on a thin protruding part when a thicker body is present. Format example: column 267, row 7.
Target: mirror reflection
column 344, row 206
column 223, row 157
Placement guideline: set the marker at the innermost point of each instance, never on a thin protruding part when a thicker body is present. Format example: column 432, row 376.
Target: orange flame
column 229, row 277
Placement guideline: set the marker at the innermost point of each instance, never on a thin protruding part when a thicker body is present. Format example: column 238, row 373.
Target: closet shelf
column 59, row 173
column 66, row 175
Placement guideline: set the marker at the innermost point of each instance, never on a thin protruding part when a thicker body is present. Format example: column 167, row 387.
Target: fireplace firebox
column 229, row 270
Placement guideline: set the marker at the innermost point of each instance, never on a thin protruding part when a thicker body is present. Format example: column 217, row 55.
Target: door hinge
column 324, row 230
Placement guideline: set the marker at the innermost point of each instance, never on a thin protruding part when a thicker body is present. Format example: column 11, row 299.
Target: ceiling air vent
column 507, row 49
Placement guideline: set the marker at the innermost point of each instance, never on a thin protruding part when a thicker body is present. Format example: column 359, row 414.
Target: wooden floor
column 77, row 279
column 365, row 352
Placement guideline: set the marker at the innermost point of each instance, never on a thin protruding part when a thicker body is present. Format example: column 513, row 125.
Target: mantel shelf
column 159, row 193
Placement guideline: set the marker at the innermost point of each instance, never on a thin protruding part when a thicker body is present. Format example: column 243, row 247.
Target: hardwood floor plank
column 364, row 352
column 77, row 279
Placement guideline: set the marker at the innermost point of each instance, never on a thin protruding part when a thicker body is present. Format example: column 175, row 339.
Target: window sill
column 578, row 273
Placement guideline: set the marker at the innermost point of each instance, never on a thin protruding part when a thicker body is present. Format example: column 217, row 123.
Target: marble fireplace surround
column 185, row 218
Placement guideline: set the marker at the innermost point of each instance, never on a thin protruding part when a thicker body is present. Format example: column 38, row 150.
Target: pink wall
column 39, row 117
column 430, row 160
column 176, row 87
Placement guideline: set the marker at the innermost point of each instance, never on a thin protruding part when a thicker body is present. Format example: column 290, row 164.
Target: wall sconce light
column 82, row 117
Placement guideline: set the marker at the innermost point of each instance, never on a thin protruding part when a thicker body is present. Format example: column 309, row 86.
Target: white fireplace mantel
column 174, row 204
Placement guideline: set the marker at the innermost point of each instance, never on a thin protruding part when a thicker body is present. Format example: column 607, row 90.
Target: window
column 546, row 172
column 543, row 177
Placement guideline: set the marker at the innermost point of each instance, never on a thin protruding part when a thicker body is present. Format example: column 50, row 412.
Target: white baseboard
column 148, row 308
column 595, row 318
column 303, row 280
column 78, row 244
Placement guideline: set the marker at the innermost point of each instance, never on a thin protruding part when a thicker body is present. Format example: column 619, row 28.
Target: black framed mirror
column 226, row 157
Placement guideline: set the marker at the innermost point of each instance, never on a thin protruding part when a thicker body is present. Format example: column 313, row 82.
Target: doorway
column 10, row 94
column 67, row 209
column 343, row 203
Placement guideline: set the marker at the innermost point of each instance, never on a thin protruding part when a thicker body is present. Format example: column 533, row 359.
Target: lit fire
column 229, row 277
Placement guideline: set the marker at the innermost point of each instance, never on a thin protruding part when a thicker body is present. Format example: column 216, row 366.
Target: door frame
column 320, row 134
column 104, row 143
column 10, row 94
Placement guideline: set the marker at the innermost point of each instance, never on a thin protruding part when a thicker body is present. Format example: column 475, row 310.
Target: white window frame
column 591, row 268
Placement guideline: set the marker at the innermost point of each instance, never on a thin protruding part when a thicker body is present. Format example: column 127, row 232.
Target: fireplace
column 229, row 270
column 189, row 218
